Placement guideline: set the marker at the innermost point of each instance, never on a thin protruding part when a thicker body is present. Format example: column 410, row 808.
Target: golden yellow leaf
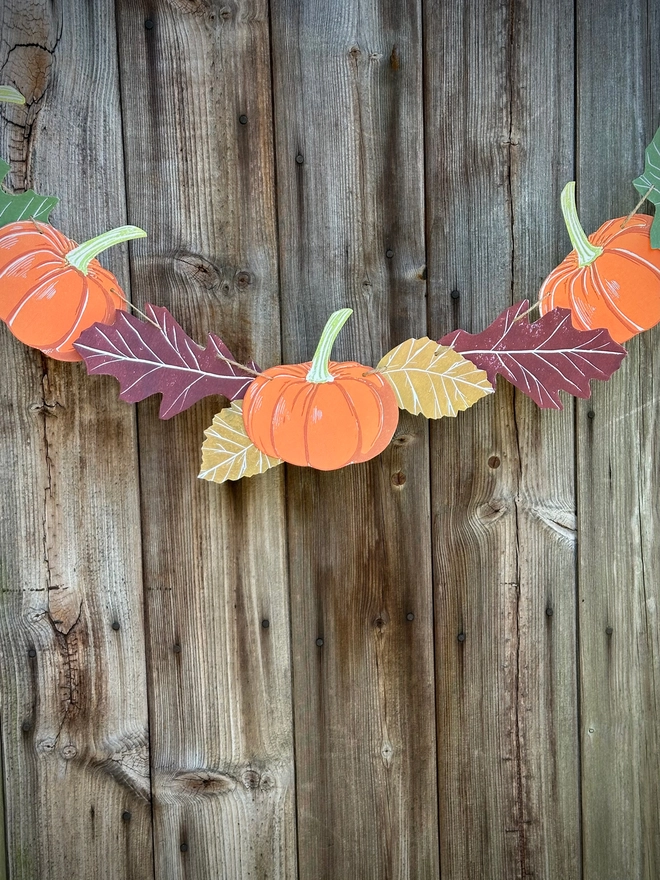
column 228, row 453
column 432, row 379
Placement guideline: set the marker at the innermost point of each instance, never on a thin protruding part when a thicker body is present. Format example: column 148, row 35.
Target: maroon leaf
column 148, row 359
column 543, row 358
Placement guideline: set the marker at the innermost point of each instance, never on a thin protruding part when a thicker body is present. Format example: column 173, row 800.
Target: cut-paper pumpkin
column 321, row 414
column 611, row 279
column 51, row 289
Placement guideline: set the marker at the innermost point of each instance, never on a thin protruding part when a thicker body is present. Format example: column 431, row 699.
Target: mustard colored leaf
column 228, row 453
column 432, row 379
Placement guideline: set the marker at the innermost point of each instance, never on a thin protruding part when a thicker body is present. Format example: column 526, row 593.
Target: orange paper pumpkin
column 322, row 413
column 611, row 279
column 52, row 289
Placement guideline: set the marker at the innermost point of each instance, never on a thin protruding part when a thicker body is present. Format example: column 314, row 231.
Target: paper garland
column 55, row 296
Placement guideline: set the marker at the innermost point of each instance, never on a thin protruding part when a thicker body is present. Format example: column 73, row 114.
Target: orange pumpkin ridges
column 52, row 289
column 611, row 279
column 321, row 414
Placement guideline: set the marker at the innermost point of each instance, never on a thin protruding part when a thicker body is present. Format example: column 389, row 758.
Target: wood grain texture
column 201, row 182
column 424, row 132
column 499, row 121
column 74, row 707
column 348, row 123
column 619, row 474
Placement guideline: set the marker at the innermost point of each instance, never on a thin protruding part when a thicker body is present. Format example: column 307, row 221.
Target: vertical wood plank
column 3, row 821
column 619, row 473
column 200, row 180
column 348, row 121
column 74, row 707
column 499, row 111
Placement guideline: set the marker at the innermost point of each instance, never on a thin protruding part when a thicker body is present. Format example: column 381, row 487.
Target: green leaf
column 651, row 178
column 23, row 206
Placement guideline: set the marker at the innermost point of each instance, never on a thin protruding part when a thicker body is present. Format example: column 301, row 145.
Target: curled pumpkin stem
column 319, row 371
column 82, row 256
column 586, row 251
column 10, row 95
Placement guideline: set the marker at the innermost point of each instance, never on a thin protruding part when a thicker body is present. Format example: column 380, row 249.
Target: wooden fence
column 444, row 662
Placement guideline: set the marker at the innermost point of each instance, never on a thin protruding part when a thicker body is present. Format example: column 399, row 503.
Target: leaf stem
column 529, row 310
column 638, row 206
column 586, row 251
column 319, row 371
column 241, row 367
column 135, row 309
column 81, row 257
column 153, row 323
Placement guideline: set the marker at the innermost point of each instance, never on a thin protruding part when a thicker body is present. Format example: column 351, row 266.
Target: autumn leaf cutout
column 541, row 358
column 158, row 357
column 228, row 453
column 27, row 205
column 648, row 184
column 433, row 380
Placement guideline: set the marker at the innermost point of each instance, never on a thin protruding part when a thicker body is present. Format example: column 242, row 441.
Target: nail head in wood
column 148, row 24
column 300, row 159
column 26, row 726
column 609, row 630
column 126, row 816
column 32, row 652
column 549, row 611
column 494, row 462
column 410, row 616
column 455, row 294
column 176, row 648
column 591, row 414
column 243, row 119
column 116, row 625
column 265, row 623
column 319, row 643
column 389, row 253
column 461, row 637
column 184, row 847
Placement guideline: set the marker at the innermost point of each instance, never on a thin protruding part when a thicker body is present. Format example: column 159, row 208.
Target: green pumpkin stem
column 11, row 95
column 586, row 251
column 82, row 256
column 319, row 371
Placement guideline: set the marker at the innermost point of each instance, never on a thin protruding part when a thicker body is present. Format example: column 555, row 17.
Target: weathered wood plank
column 499, row 85
column 74, row 706
column 3, row 842
column 201, row 182
column 619, row 475
column 348, row 121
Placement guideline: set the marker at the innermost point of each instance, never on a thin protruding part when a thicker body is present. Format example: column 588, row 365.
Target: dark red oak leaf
column 543, row 358
column 161, row 358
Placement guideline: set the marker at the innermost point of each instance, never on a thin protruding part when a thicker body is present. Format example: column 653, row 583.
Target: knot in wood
column 251, row 779
column 381, row 620
column 403, row 439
